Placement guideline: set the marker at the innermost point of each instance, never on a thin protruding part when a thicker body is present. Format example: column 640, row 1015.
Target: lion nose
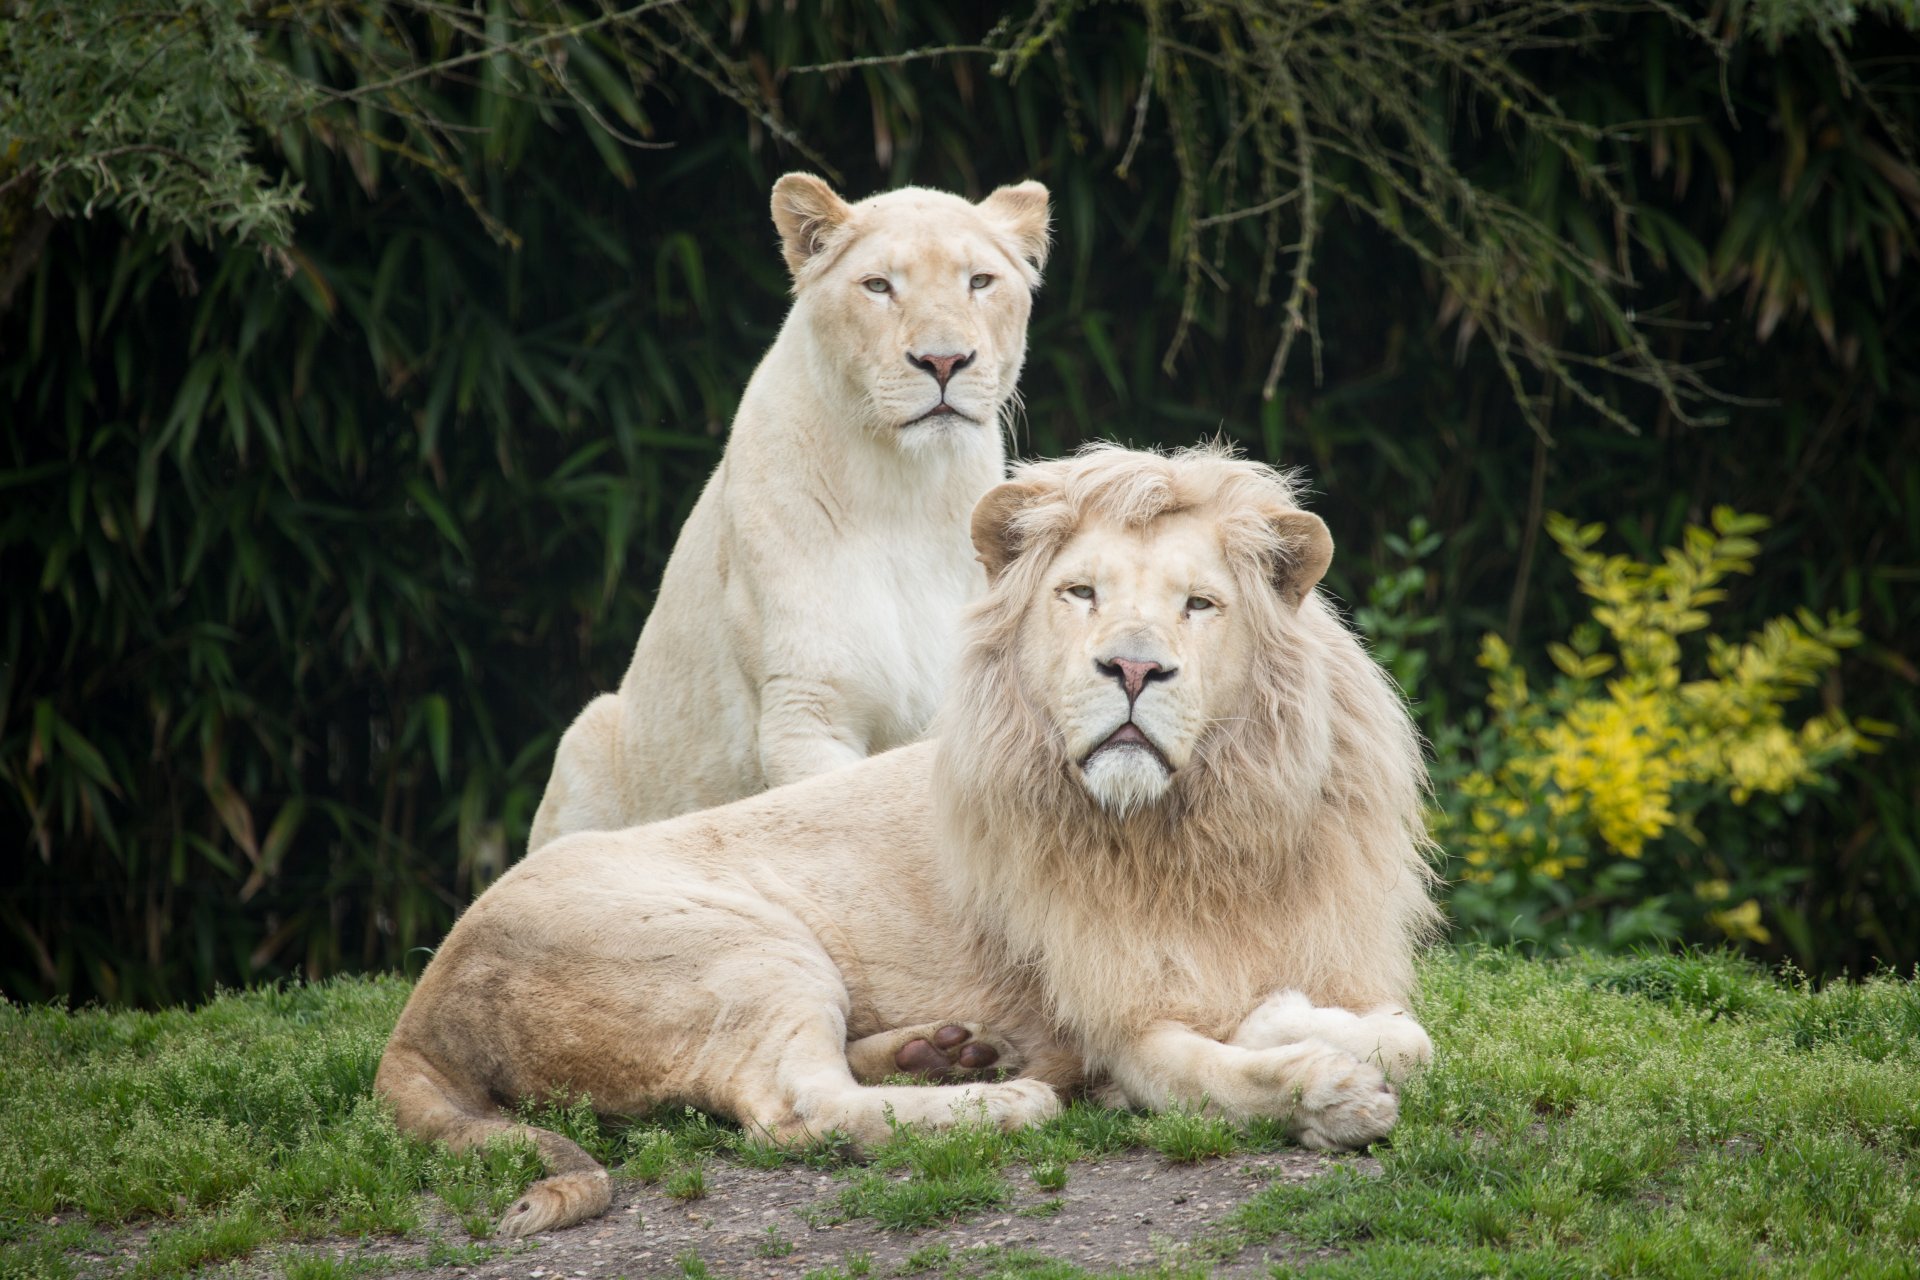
column 1134, row 674
column 941, row 367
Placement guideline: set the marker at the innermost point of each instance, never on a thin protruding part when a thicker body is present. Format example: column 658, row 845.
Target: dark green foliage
column 305, row 573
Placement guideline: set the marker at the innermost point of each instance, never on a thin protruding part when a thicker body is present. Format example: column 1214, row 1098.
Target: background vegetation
column 361, row 359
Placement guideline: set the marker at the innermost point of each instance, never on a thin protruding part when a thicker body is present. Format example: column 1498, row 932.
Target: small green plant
column 1050, row 1175
column 688, row 1182
column 1629, row 797
column 773, row 1244
column 927, row 1258
column 1394, row 614
column 692, row 1266
column 1045, row 1209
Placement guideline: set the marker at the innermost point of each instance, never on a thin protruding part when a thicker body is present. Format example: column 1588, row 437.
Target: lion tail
column 427, row 1105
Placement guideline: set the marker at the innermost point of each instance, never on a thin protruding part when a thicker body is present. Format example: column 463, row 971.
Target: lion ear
column 994, row 541
column 1021, row 211
column 807, row 213
column 1305, row 551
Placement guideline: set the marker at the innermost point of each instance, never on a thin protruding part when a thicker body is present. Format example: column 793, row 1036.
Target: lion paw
column 938, row 1052
column 1386, row 1036
column 1018, row 1104
column 1349, row 1104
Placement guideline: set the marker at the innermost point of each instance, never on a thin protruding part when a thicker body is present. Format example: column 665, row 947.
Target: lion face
column 1145, row 613
column 917, row 300
column 1138, row 642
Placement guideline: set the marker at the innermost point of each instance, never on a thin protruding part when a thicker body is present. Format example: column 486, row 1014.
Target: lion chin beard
column 1125, row 778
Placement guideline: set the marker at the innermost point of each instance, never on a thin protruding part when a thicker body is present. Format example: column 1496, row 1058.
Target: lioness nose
column 1133, row 673
column 941, row 367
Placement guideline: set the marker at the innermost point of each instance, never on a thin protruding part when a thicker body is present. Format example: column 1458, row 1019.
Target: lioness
column 810, row 611
column 1168, row 838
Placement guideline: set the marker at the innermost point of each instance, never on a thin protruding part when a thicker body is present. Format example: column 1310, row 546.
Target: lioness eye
column 1081, row 592
column 1196, row 603
column 981, row 281
column 879, row 285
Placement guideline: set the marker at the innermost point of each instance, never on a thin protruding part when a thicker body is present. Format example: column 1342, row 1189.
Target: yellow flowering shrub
column 1591, row 792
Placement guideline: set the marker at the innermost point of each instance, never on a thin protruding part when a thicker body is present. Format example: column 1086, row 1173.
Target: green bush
column 1626, row 800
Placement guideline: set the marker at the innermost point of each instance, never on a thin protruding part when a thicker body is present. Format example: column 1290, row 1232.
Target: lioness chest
column 899, row 607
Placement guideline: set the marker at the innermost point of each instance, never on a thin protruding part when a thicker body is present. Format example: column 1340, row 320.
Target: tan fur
column 1238, row 935
column 809, row 613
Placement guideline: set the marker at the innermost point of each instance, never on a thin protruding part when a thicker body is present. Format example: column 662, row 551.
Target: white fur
column 809, row 614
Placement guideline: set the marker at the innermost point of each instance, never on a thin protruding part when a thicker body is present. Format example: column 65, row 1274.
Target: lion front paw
column 1349, row 1104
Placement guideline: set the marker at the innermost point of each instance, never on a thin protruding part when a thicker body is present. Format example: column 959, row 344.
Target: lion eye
column 1196, row 603
column 1082, row 592
column 879, row 284
column 981, row 281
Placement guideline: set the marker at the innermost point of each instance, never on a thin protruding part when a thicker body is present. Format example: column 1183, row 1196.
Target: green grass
column 1662, row 1115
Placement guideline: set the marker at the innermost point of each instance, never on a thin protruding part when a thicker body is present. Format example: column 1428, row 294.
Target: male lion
column 808, row 615
column 1167, row 840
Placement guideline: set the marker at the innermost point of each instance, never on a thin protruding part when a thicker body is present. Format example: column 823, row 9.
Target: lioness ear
column 807, row 213
column 1306, row 549
column 1021, row 211
column 993, row 538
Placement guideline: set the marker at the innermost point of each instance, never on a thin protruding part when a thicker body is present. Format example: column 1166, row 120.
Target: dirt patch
column 1119, row 1213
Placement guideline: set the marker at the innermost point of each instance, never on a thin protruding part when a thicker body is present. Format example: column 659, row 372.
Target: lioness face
column 918, row 300
column 1137, row 642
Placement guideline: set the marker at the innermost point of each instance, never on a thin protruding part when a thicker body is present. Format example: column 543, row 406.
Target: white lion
column 809, row 614
column 1167, row 842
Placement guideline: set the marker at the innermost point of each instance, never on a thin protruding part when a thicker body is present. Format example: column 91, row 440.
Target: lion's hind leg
column 941, row 1051
column 806, row 1089
column 428, row 1105
column 1386, row 1036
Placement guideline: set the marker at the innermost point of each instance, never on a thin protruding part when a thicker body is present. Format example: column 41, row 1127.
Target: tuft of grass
column 1718, row 984
column 922, row 1177
column 774, row 1245
column 688, row 1182
column 650, row 1155
column 45, row 1253
column 692, row 1266
column 179, row 1250
column 1185, row 1137
column 325, row 1266
column 927, row 1258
